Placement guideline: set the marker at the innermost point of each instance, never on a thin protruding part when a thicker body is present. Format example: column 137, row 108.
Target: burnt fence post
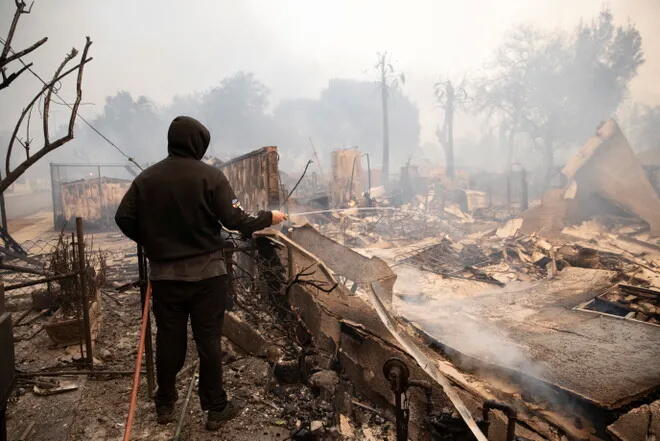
column 83, row 274
column 7, row 370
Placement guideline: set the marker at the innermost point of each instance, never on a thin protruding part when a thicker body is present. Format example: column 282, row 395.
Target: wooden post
column 82, row 267
column 76, row 288
column 7, row 370
column 100, row 183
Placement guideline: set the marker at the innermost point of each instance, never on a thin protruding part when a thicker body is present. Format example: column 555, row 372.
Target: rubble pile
column 495, row 263
column 455, row 244
column 362, row 231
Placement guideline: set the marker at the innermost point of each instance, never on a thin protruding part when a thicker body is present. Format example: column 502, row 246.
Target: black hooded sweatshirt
column 175, row 208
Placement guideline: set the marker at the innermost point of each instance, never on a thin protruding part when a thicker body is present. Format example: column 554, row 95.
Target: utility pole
column 382, row 66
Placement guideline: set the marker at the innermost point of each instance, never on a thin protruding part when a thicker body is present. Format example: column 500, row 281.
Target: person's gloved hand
column 278, row 217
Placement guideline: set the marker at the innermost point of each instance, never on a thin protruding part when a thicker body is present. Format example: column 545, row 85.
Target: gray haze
column 296, row 50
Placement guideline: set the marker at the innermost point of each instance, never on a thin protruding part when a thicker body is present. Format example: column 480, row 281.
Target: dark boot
column 216, row 418
column 165, row 413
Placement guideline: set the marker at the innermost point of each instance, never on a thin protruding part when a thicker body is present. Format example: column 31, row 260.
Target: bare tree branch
column 5, row 56
column 12, row 175
column 20, row 9
column 19, row 54
column 49, row 94
column 12, row 28
column 76, row 105
column 7, row 80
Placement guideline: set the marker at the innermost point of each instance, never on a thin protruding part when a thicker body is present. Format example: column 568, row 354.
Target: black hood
column 187, row 138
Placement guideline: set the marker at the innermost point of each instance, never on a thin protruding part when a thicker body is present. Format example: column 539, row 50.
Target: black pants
column 204, row 302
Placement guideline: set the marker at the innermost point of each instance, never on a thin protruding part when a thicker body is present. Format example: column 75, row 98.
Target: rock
column 316, row 425
column 230, row 351
column 324, row 383
column 345, row 426
column 273, row 354
column 302, row 434
column 105, row 354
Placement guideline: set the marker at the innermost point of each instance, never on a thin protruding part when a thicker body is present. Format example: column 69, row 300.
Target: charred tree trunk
column 449, row 121
column 449, row 146
column 449, row 97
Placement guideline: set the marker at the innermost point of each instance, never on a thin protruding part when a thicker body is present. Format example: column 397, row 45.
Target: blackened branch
column 49, row 93
column 7, row 79
column 318, row 284
column 4, row 58
column 24, row 52
column 12, row 175
column 7, row 55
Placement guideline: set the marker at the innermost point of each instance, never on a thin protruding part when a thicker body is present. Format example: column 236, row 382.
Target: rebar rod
column 184, row 408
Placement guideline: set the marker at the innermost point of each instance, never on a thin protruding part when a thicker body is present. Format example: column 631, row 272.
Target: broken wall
column 346, row 176
column 95, row 200
column 255, row 179
column 605, row 168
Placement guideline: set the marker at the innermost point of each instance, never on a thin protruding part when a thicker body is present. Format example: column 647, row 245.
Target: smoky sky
column 165, row 48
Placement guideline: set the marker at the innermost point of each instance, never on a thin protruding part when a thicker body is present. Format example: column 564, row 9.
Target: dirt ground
column 97, row 408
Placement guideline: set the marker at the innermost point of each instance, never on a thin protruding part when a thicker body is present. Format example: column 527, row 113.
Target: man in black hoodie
column 175, row 210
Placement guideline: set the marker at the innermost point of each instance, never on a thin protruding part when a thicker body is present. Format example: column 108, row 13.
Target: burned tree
column 450, row 98
column 556, row 87
column 50, row 88
column 388, row 79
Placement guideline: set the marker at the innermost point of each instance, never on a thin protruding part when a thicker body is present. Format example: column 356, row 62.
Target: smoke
column 457, row 323
column 463, row 318
column 347, row 113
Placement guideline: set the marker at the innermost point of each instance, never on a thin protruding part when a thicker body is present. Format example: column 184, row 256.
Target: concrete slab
column 640, row 424
column 532, row 328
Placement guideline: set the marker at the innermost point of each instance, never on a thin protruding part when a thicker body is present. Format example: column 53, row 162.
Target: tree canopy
column 556, row 87
column 238, row 114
